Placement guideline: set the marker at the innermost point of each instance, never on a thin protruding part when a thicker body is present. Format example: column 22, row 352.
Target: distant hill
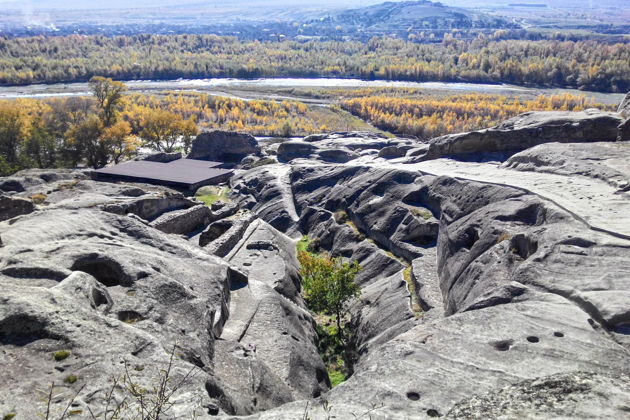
column 417, row 15
column 191, row 6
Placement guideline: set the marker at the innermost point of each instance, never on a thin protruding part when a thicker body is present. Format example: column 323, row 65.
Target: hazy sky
column 36, row 5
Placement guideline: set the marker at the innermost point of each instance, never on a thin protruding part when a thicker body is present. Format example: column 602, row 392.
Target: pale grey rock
column 265, row 192
column 576, row 395
column 475, row 352
column 227, row 210
column 220, row 237
column 542, row 286
column 108, row 289
column 605, row 161
column 624, row 106
column 248, row 383
column 280, row 335
column 382, row 313
column 268, row 314
column 343, row 240
column 27, row 179
column 214, row 231
column 268, row 256
column 424, row 276
column 151, row 207
column 377, row 203
column 85, row 287
column 525, row 305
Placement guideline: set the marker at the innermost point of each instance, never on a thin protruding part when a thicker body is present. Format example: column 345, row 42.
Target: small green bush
column 336, row 377
column 9, row 416
column 70, row 379
column 61, row 355
column 304, row 244
column 423, row 213
column 263, row 162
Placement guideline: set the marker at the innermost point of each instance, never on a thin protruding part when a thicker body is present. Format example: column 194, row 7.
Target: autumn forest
column 111, row 125
column 589, row 65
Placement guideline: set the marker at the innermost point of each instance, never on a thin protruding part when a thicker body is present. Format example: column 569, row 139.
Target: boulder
column 316, row 137
column 294, row 149
column 392, row 152
column 339, row 155
column 11, row 207
column 151, row 207
column 223, row 146
column 624, row 130
column 183, row 221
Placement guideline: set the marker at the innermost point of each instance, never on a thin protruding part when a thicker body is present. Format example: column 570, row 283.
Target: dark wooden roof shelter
column 188, row 174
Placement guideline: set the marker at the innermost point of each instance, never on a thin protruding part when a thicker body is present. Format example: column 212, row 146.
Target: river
column 260, row 88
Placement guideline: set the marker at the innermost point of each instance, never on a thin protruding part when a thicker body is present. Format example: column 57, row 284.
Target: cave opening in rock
column 105, row 270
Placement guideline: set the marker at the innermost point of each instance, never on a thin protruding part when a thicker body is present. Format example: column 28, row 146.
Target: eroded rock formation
column 488, row 289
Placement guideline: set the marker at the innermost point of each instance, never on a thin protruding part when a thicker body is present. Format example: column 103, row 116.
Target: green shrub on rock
column 61, row 355
column 328, row 283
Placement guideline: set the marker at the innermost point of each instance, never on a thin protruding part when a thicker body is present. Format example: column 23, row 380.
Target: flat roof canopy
column 187, row 172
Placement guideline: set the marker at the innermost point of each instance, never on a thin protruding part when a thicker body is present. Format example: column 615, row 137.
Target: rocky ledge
column 494, row 282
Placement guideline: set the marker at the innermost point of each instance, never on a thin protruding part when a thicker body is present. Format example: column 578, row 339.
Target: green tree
column 109, row 95
column 86, row 139
column 328, row 284
column 40, row 148
column 14, row 128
